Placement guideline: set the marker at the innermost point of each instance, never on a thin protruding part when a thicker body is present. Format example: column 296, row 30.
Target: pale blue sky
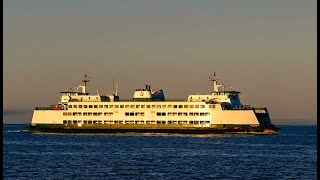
column 265, row 49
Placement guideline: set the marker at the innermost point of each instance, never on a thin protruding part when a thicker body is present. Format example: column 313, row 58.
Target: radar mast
column 215, row 82
column 84, row 84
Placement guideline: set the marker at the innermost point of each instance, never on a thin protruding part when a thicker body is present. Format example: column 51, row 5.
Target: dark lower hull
column 180, row 130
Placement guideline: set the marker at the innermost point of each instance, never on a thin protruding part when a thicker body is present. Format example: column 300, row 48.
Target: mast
column 112, row 85
column 117, row 86
column 84, row 84
column 215, row 82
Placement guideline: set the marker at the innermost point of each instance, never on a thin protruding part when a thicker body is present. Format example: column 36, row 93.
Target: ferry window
column 191, row 106
column 121, row 106
column 104, row 122
column 69, row 122
column 85, row 106
column 179, row 114
column 158, row 106
column 190, row 122
column 185, row 114
column 175, row 114
column 70, row 106
column 185, row 106
column 158, row 122
column 74, row 106
column 111, row 106
column 202, row 114
column 175, row 106
column 169, row 122
column 100, row 106
column 69, row 114
column 89, row 114
column 148, row 106
column 163, row 114
column 132, row 106
column 64, row 122
column 116, row 106
column 180, row 106
column 196, row 114
column 196, row 122
column 210, row 106
column 127, row 114
column 164, row 106
column 153, row 106
column 143, row 106
column 85, row 122
column 202, row 106
column 127, row 106
column 207, row 122
column 197, row 106
column 80, row 106
column 79, row 121
column 95, row 114
column 65, row 114
column 158, row 114
column 169, row 106
column 90, row 106
column 170, row 113
column 89, row 122
column 85, row 114
column 137, row 106
column 95, row 106
column 207, row 114
column 74, row 121
column 94, row 122
column 74, row 114
column 138, row 114
column 190, row 114
column 147, row 122
column 105, row 106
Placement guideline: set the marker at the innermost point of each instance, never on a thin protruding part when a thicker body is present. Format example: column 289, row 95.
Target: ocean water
column 292, row 154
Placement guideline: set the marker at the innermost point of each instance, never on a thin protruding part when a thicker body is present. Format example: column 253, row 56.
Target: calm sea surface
column 292, row 154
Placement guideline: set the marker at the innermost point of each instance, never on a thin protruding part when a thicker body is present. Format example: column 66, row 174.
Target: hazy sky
column 264, row 48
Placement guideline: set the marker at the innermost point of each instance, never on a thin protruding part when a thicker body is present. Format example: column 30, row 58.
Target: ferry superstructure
column 149, row 111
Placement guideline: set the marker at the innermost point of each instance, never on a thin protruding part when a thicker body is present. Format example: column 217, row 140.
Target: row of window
column 139, row 106
column 183, row 114
column 136, row 114
column 133, row 122
column 87, row 114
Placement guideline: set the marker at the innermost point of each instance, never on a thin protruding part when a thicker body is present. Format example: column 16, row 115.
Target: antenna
column 117, row 87
column 112, row 85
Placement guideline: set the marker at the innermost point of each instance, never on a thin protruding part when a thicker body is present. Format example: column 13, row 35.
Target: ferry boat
column 149, row 112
